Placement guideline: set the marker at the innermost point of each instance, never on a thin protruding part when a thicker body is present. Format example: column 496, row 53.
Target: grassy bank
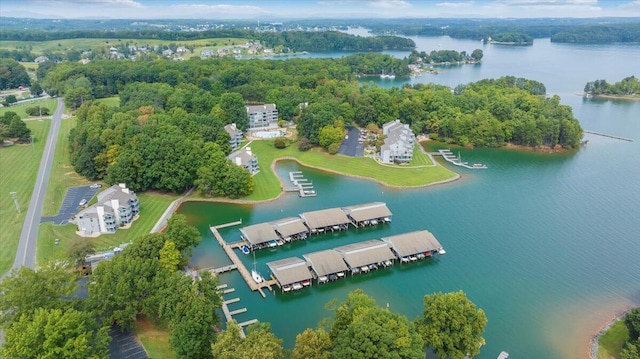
column 50, row 103
column 154, row 339
column 19, row 165
column 612, row 341
column 419, row 173
column 113, row 101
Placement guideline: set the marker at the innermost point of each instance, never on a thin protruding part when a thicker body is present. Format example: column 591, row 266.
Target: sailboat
column 254, row 273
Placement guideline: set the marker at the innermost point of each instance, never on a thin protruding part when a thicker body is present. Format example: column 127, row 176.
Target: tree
column 184, row 236
column 26, row 290
column 36, row 89
column 304, row 144
column 312, row 344
column 10, row 99
column 12, row 74
column 632, row 321
column 169, row 256
column 280, row 143
column 229, row 343
column 259, row 343
column 80, row 249
column 234, row 110
column 630, row 351
column 451, row 325
column 477, row 54
column 57, row 333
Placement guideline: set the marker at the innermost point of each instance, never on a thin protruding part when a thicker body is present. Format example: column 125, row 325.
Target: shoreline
column 594, row 345
column 611, row 97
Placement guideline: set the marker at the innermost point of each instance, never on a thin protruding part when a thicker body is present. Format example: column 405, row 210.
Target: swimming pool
column 268, row 134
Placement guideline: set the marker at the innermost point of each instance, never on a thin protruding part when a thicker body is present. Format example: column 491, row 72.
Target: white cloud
column 455, row 5
column 389, row 4
column 119, row 3
column 236, row 11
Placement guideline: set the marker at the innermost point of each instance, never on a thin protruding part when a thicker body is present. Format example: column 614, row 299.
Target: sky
column 304, row 9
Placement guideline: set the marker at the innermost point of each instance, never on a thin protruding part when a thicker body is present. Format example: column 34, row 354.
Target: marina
column 456, row 160
column 303, row 186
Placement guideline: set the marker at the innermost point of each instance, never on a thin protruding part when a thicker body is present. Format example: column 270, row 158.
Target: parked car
column 95, row 185
column 83, row 202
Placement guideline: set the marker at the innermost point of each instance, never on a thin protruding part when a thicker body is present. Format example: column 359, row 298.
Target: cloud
column 389, row 4
column 118, row 3
column 220, row 9
column 455, row 5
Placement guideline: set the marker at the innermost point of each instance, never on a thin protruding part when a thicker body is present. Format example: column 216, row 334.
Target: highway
column 26, row 254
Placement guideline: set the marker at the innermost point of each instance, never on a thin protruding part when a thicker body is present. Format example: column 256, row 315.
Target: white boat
column 297, row 286
column 340, row 274
column 441, row 251
column 286, row 288
column 323, row 279
column 256, row 276
column 503, row 355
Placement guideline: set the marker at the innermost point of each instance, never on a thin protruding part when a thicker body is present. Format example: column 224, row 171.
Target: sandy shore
column 593, row 351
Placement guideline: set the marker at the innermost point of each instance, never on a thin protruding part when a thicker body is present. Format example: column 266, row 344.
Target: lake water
column 547, row 245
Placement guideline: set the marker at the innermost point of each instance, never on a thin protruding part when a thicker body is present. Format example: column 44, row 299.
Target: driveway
column 125, row 345
column 71, row 204
column 350, row 146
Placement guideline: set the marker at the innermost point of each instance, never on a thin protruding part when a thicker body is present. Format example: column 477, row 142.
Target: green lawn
column 419, row 158
column 38, row 47
column 613, row 340
column 19, row 164
column 113, row 101
column 268, row 185
column 50, row 103
column 154, row 339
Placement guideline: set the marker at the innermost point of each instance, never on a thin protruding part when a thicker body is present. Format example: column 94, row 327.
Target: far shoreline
column 612, row 97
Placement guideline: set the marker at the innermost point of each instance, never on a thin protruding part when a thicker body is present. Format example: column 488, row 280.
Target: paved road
column 26, row 254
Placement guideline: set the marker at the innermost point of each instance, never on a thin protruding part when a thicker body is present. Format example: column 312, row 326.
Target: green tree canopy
column 12, row 74
column 452, row 325
column 57, row 333
column 234, row 110
column 312, row 344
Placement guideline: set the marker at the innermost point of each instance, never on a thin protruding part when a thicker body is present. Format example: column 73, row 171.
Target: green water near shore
column 546, row 244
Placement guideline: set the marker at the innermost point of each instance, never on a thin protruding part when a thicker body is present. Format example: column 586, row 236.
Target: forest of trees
column 444, row 56
column 627, row 86
column 13, row 127
column 513, row 38
column 12, row 74
column 333, row 41
column 599, row 34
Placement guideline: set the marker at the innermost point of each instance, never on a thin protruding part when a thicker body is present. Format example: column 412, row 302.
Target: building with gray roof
column 262, row 116
column 290, row 270
column 117, row 206
column 413, row 243
column 368, row 213
column 361, row 254
column 398, row 144
column 245, row 158
column 258, row 235
column 235, row 134
column 326, row 219
column 291, row 227
column 325, row 263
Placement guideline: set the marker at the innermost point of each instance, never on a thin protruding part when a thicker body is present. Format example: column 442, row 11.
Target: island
column 625, row 89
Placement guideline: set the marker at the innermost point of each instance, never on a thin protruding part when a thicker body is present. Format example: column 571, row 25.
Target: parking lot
column 351, row 146
column 71, row 204
column 125, row 345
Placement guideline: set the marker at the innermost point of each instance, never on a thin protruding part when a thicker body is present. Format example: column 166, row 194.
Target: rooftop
column 261, row 108
column 259, row 233
column 290, row 270
column 413, row 242
column 325, row 218
column 290, row 226
column 368, row 211
column 364, row 253
column 326, row 262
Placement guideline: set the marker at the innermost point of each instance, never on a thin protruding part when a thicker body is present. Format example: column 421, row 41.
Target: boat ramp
column 299, row 184
column 451, row 158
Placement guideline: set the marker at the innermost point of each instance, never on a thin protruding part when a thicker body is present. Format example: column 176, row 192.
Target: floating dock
column 299, row 184
column 451, row 158
column 607, row 135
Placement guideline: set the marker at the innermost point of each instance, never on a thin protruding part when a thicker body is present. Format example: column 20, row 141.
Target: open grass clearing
column 154, row 338
column 84, row 44
column 113, row 101
column 19, row 165
column 19, row 108
column 612, row 342
column 420, row 158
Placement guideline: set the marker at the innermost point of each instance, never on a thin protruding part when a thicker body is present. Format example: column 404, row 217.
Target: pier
column 303, row 186
column 451, row 158
column 230, row 224
column 607, row 135
column 238, row 265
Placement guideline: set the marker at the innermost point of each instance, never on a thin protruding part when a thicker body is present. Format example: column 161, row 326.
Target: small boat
column 387, row 219
column 355, row 270
column 405, row 259
column 297, row 286
column 420, row 255
column 388, row 263
column 503, row 355
column 279, row 242
column 244, row 249
column 374, row 222
column 441, row 251
column 335, row 228
column 272, row 243
column 364, row 269
column 413, row 258
column 286, row 288
column 306, row 282
column 333, row 277
column 340, row 274
column 323, row 279
column 256, row 276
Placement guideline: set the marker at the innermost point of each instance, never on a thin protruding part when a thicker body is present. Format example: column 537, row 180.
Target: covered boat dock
column 291, row 228
column 367, row 255
column 368, row 214
column 326, row 265
column 332, row 219
column 291, row 273
column 259, row 235
column 413, row 245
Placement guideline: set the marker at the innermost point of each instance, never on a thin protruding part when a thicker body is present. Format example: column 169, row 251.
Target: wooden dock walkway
column 230, row 224
column 244, row 273
column 223, row 269
column 451, row 158
column 607, row 135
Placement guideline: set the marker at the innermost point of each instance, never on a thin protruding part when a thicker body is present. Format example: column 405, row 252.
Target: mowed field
column 50, row 103
column 19, row 164
column 63, row 176
column 39, row 47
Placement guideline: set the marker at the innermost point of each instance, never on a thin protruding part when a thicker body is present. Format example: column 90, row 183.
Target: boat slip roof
column 326, row 262
column 290, row 226
column 413, row 242
column 290, row 270
column 259, row 233
column 368, row 211
column 365, row 253
column 325, row 218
